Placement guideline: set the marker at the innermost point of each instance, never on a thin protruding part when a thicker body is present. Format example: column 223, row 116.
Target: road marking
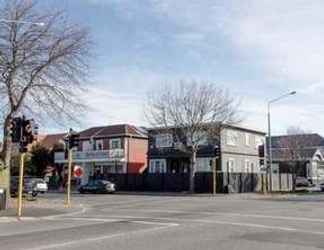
column 105, row 237
column 222, row 222
column 237, row 215
column 115, row 220
column 16, row 219
column 84, row 209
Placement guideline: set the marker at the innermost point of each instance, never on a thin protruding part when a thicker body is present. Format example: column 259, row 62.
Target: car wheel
column 34, row 194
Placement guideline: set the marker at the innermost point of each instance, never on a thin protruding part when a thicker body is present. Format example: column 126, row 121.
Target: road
column 140, row 222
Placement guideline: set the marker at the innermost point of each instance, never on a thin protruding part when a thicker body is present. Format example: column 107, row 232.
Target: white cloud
column 282, row 39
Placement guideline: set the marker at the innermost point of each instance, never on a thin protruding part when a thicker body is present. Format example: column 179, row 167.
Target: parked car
column 41, row 185
column 98, row 187
column 29, row 186
column 302, row 182
column 321, row 186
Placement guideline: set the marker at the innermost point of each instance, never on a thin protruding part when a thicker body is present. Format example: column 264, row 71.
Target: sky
column 257, row 49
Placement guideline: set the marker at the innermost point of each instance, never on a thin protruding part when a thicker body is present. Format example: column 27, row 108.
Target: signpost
column 78, row 171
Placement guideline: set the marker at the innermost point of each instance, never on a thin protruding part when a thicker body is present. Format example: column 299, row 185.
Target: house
column 109, row 149
column 236, row 150
column 50, row 141
column 302, row 154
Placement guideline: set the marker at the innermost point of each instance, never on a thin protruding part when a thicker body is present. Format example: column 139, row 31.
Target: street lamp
column 269, row 130
column 22, row 22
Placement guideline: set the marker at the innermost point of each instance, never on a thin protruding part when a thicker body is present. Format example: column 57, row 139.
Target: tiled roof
column 113, row 130
column 305, row 140
column 50, row 140
column 306, row 145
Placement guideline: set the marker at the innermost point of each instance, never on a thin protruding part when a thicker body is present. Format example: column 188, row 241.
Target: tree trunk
column 6, row 158
column 193, row 171
column 294, row 177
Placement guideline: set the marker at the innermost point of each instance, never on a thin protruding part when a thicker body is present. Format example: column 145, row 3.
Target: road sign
column 78, row 171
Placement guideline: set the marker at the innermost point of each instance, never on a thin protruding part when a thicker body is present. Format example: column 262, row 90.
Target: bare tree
column 42, row 67
column 292, row 148
column 194, row 111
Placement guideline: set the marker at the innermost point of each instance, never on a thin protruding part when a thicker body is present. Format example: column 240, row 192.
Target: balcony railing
column 89, row 156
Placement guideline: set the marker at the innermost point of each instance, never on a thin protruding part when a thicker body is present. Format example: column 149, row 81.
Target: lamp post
column 269, row 131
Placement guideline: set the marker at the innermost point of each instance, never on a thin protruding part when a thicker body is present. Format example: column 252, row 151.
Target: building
column 239, row 151
column 51, row 141
column 302, row 154
column 109, row 149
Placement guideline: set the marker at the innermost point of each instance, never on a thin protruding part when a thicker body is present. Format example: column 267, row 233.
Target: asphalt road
column 140, row 222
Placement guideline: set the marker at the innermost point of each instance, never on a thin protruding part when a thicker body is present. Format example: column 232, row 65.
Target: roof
column 224, row 125
column 305, row 153
column 305, row 140
column 112, row 131
column 308, row 145
column 51, row 139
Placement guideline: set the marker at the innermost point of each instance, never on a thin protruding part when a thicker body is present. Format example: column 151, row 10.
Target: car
column 41, row 185
column 29, row 187
column 302, row 182
column 98, row 187
column 321, row 186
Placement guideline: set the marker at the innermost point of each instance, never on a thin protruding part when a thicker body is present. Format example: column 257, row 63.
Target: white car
column 41, row 185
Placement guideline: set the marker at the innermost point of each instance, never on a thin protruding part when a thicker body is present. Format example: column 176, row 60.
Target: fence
column 225, row 182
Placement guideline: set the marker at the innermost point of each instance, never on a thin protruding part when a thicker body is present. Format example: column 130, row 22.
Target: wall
column 254, row 164
column 241, row 151
column 136, row 154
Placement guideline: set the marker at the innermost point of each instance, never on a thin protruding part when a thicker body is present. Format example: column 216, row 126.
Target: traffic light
column 217, row 151
column 15, row 129
column 29, row 133
column 73, row 139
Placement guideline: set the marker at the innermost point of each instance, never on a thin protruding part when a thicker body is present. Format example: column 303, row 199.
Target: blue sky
column 258, row 49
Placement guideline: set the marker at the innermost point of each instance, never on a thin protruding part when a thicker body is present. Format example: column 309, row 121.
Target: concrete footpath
column 39, row 208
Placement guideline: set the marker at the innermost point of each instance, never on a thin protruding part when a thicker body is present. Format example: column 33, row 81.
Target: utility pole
column 71, row 141
column 68, row 192
column 24, row 132
column 20, row 188
column 269, row 133
column 214, row 176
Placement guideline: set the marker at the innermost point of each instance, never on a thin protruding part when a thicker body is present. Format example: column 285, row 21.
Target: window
column 231, row 138
column 204, row 164
column 259, row 141
column 247, row 166
column 115, row 143
column 199, row 137
column 247, row 139
column 86, row 146
column 163, row 140
column 231, row 165
column 98, row 145
column 157, row 166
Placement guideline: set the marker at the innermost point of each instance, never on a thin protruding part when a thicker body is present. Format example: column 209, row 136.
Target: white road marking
column 105, row 237
column 104, row 220
column 222, row 222
column 237, row 215
column 84, row 209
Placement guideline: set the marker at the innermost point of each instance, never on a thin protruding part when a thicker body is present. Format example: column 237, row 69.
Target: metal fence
column 225, row 182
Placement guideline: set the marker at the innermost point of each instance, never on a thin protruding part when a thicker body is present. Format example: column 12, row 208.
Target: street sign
column 78, row 171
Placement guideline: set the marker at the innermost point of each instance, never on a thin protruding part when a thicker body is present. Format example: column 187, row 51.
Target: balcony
column 92, row 156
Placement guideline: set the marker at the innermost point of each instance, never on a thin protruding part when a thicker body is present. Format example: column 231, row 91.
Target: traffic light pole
column 215, row 176
column 20, row 188
column 68, row 190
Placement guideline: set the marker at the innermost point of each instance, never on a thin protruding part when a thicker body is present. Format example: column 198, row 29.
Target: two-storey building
column 239, row 151
column 109, row 149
